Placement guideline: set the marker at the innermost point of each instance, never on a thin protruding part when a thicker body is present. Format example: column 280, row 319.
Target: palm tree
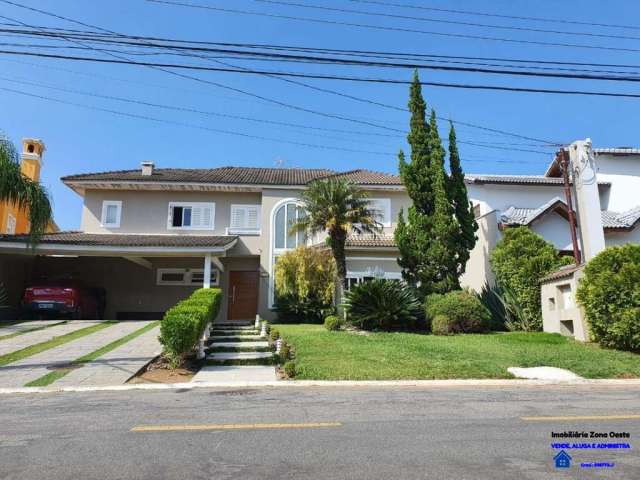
column 20, row 190
column 338, row 208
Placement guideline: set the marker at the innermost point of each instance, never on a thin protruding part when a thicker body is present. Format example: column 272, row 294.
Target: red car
column 63, row 298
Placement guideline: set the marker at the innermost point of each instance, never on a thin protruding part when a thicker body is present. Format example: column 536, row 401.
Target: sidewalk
column 19, row 373
column 117, row 366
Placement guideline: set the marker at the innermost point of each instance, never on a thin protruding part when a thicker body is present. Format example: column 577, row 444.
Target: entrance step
column 239, row 347
column 235, row 338
column 234, row 332
column 232, row 326
column 241, row 358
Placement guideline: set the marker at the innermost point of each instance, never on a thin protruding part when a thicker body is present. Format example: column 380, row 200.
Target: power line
column 251, row 55
column 330, row 77
column 467, row 124
column 392, row 29
column 189, row 125
column 450, row 22
column 562, row 21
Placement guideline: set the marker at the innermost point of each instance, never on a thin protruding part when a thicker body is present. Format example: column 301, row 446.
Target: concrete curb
column 325, row 383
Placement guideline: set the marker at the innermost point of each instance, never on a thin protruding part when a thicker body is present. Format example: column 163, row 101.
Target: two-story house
column 151, row 235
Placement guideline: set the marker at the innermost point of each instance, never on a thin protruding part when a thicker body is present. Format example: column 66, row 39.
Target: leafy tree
column 22, row 191
column 520, row 260
column 610, row 295
column 339, row 208
column 305, row 283
column 463, row 208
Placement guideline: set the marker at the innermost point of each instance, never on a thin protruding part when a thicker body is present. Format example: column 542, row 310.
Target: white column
column 587, row 198
column 207, row 271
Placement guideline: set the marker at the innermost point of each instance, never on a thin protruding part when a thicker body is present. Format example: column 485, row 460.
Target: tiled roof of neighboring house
column 562, row 272
column 611, row 220
column 625, row 220
column 516, row 180
column 125, row 240
column 524, row 216
column 618, row 151
column 237, row 175
column 369, row 241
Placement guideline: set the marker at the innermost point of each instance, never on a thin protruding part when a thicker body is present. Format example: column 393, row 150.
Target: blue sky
column 82, row 140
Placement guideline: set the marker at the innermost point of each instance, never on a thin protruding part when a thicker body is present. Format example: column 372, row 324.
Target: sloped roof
column 237, row 175
column 125, row 240
column 524, row 216
column 562, row 272
column 610, row 220
column 624, row 220
column 516, row 180
column 369, row 241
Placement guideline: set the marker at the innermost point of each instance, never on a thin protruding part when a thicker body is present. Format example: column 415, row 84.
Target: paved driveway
column 112, row 368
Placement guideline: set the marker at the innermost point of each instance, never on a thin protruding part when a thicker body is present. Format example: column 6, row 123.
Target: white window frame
column 276, row 252
column 170, row 226
column 11, row 224
column 187, row 278
column 245, row 231
column 359, row 276
column 105, row 206
column 386, row 211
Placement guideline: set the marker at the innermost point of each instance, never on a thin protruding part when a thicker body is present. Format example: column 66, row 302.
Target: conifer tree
column 462, row 206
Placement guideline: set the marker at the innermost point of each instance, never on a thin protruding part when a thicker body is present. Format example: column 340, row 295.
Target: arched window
column 285, row 217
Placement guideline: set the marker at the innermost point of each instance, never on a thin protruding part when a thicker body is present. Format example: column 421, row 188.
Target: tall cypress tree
column 463, row 208
column 412, row 236
column 441, row 274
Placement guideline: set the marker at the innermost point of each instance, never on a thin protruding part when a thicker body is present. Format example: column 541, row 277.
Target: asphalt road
column 378, row 433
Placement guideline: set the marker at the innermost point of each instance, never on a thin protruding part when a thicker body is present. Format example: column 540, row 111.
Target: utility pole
column 562, row 158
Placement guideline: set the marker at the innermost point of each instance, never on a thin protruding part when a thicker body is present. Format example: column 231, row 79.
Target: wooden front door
column 242, row 295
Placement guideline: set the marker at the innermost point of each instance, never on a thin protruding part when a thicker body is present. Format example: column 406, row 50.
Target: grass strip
column 51, row 377
column 54, row 342
column 29, row 330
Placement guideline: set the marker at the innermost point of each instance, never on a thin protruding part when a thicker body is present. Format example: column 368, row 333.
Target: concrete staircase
column 233, row 344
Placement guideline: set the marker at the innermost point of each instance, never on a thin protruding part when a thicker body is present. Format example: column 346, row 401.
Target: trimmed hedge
column 459, row 311
column 610, row 296
column 184, row 324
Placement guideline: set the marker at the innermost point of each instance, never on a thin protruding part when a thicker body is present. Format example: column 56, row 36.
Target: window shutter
column 205, row 218
column 245, row 217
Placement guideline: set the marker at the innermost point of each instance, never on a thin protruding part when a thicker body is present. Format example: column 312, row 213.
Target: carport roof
column 126, row 240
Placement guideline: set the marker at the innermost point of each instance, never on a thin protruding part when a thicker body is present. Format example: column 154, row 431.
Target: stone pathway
column 237, row 354
column 116, row 366
column 28, row 325
column 19, row 373
column 22, row 341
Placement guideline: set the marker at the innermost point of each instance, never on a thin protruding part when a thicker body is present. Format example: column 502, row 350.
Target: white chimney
column 147, row 168
column 587, row 198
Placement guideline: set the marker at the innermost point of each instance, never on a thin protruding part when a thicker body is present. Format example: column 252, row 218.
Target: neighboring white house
column 539, row 202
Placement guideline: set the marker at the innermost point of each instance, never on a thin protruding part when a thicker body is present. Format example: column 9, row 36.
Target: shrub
column 184, row 324
column 290, row 369
column 610, row 295
column 519, row 261
column 383, row 304
column 459, row 311
column 305, row 284
column 441, row 325
column 274, row 334
column 285, row 352
column 332, row 323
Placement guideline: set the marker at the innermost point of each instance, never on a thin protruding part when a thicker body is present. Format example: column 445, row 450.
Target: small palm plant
column 22, row 191
column 339, row 208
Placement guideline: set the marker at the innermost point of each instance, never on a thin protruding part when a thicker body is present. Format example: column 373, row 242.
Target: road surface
column 326, row 433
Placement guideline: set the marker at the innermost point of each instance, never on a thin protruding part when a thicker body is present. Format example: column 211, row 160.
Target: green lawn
column 323, row 355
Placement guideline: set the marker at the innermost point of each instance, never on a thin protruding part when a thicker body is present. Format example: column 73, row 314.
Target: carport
column 143, row 275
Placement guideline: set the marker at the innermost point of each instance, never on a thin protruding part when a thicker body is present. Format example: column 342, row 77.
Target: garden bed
column 158, row 371
column 323, row 355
